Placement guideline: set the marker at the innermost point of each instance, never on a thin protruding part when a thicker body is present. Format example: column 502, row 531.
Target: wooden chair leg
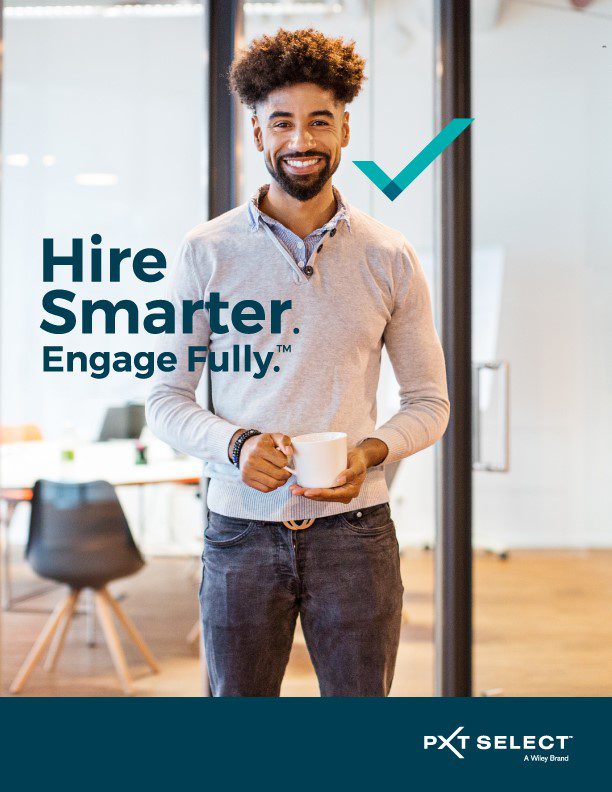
column 112, row 639
column 131, row 630
column 57, row 644
column 194, row 634
column 41, row 643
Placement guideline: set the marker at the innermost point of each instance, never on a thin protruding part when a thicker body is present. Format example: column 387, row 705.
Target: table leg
column 171, row 501
column 141, row 512
column 7, row 511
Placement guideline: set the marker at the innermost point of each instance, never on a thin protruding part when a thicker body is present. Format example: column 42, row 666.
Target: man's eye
column 281, row 124
column 320, row 123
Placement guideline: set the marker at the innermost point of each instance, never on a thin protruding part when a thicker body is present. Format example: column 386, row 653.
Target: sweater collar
column 256, row 216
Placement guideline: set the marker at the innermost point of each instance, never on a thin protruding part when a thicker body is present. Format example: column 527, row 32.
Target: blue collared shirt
column 299, row 249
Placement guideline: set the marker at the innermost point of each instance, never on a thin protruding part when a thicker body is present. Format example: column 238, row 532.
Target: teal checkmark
column 394, row 187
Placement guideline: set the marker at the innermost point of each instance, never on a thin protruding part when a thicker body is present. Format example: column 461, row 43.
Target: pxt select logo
column 458, row 743
column 447, row 742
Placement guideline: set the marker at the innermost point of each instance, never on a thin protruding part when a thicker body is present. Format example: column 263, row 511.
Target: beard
column 298, row 186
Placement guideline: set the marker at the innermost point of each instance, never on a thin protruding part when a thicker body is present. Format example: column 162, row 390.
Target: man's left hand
column 348, row 483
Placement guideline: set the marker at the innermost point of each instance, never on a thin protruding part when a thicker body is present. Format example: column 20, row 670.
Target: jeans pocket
column 223, row 531
column 369, row 522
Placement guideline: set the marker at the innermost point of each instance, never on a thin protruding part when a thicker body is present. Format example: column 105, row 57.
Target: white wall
column 124, row 96
column 542, row 190
column 119, row 96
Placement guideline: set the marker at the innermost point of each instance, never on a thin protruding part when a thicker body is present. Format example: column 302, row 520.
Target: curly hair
column 297, row 56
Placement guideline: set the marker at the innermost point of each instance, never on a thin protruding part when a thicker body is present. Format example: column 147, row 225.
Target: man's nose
column 302, row 138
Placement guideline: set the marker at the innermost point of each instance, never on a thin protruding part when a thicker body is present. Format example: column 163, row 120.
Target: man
column 352, row 284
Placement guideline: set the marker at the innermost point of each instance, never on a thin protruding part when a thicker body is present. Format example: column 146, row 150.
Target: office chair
column 123, row 423
column 79, row 536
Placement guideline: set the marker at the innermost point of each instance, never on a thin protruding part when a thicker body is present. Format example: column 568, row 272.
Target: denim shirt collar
column 256, row 216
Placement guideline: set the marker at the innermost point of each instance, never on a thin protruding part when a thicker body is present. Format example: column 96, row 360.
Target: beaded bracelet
column 240, row 441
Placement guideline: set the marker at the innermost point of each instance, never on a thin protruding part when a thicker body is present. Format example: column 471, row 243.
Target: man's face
column 301, row 130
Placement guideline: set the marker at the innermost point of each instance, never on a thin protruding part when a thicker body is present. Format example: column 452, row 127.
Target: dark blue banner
column 524, row 743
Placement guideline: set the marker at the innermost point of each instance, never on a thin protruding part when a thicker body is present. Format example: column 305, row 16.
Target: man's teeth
column 302, row 163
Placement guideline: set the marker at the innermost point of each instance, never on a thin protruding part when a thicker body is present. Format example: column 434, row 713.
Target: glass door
column 542, row 333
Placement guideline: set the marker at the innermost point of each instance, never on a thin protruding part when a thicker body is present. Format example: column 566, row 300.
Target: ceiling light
column 96, row 179
column 17, row 160
column 163, row 10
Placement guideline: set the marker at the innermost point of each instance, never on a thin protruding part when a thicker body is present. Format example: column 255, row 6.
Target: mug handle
column 288, row 469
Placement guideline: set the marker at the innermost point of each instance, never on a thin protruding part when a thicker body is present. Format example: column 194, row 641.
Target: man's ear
column 257, row 133
column 346, row 130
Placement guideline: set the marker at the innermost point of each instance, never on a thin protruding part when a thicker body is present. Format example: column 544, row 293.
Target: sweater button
column 358, row 514
column 332, row 232
column 320, row 248
column 308, row 270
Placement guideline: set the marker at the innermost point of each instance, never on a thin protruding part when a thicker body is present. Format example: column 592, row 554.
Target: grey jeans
column 341, row 575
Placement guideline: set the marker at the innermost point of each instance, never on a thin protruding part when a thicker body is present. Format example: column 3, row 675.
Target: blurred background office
column 105, row 118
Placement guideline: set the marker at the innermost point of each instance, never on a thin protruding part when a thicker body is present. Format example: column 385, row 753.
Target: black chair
column 123, row 423
column 79, row 536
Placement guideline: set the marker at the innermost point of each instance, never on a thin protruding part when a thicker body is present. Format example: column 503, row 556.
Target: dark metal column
column 225, row 30
column 224, row 36
column 453, row 627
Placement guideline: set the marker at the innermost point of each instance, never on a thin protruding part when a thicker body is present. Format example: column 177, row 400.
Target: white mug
column 318, row 458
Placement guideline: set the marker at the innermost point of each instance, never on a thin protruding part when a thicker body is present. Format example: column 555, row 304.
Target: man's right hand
column 262, row 464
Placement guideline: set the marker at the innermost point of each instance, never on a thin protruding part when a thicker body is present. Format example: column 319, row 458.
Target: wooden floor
column 542, row 628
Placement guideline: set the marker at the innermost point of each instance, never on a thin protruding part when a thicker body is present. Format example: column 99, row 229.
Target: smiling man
column 274, row 549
